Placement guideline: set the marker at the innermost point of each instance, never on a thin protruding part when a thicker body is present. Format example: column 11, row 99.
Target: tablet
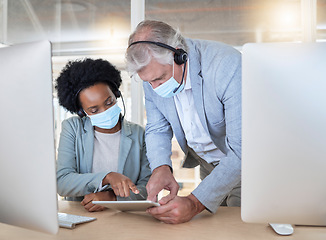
column 140, row 205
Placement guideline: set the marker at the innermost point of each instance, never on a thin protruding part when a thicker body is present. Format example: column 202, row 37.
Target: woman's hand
column 120, row 184
column 99, row 196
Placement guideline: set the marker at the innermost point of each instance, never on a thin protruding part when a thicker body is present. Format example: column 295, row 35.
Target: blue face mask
column 107, row 119
column 166, row 89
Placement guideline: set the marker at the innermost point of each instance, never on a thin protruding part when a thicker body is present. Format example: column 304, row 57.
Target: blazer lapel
column 168, row 109
column 197, row 87
column 125, row 145
column 174, row 120
column 88, row 145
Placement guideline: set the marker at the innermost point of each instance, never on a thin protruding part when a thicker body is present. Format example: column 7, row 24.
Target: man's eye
column 94, row 111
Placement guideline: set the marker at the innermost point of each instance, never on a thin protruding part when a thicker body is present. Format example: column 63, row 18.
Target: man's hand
column 178, row 210
column 162, row 178
column 120, row 184
column 99, row 196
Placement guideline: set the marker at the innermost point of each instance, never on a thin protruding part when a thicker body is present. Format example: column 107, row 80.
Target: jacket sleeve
column 70, row 182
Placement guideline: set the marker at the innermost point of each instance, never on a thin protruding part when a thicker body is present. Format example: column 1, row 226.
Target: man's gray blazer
column 215, row 72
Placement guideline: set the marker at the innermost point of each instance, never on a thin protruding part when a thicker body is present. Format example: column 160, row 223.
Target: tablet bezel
column 140, row 205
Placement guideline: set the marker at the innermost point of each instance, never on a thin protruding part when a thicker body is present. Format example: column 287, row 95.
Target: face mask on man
column 107, row 119
column 167, row 89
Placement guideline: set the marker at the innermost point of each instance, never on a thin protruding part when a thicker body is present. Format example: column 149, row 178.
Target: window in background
column 74, row 27
column 234, row 22
column 321, row 20
column 3, row 22
column 77, row 29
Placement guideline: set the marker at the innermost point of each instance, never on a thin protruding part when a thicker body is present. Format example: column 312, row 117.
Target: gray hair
column 140, row 55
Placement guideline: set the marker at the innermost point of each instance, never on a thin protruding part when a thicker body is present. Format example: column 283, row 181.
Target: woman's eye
column 109, row 103
column 94, row 111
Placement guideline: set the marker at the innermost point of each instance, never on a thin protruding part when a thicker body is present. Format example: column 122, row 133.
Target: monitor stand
column 282, row 229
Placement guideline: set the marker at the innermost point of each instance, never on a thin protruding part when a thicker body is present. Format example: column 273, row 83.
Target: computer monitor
column 27, row 152
column 284, row 133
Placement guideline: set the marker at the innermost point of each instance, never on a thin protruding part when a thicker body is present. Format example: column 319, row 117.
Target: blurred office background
column 100, row 29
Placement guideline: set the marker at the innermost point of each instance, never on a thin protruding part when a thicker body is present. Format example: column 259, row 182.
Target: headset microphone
column 183, row 74
column 124, row 107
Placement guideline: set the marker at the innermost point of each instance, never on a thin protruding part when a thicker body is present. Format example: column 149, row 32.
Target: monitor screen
column 284, row 133
column 27, row 152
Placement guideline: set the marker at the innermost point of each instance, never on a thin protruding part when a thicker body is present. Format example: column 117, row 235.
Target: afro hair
column 80, row 74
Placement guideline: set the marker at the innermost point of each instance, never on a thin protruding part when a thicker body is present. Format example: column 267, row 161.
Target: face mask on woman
column 107, row 119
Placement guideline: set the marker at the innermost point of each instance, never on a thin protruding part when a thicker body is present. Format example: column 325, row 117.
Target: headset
column 180, row 56
column 81, row 113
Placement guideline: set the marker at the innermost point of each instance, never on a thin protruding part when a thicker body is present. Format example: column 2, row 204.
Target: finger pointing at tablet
column 120, row 184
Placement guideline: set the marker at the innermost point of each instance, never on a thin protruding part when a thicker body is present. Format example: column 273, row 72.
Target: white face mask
column 107, row 119
column 170, row 88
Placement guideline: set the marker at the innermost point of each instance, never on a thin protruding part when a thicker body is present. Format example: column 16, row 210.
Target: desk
column 110, row 224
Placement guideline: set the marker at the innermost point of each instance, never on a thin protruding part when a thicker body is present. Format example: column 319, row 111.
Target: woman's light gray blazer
column 75, row 158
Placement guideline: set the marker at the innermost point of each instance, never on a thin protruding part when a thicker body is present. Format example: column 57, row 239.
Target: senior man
column 192, row 90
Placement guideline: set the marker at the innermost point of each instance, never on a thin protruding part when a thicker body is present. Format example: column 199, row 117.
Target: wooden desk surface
column 225, row 224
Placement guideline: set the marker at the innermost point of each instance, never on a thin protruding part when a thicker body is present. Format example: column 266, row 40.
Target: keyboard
column 70, row 220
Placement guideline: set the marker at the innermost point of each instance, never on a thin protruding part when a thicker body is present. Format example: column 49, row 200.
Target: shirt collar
column 188, row 83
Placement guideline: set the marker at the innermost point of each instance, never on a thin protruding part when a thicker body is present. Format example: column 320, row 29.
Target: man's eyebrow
column 159, row 78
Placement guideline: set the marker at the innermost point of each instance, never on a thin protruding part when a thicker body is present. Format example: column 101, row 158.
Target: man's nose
column 155, row 84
